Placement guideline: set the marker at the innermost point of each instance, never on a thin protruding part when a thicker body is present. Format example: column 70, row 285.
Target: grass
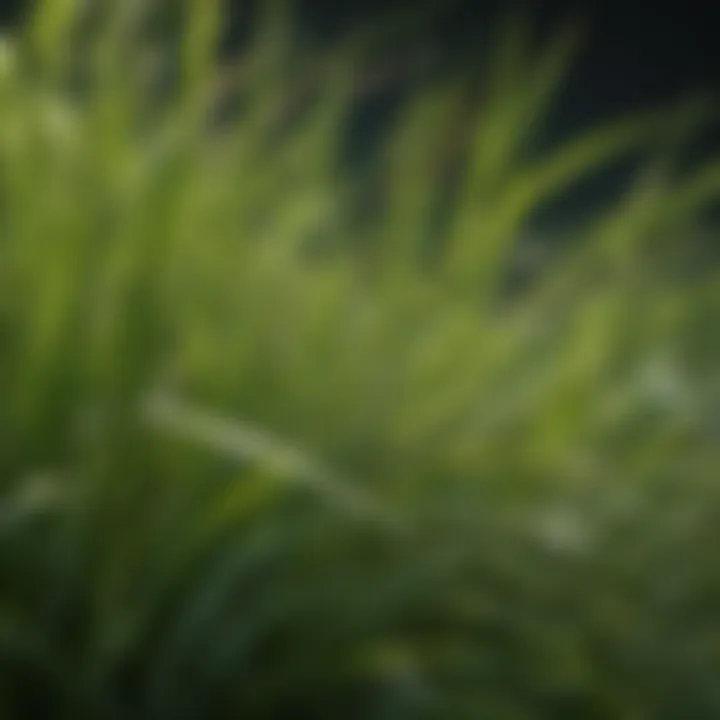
column 262, row 457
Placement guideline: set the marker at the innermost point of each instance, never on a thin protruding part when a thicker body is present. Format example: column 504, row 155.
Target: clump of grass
column 258, row 459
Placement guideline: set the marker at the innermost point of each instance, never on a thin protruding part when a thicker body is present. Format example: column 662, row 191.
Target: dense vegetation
column 264, row 455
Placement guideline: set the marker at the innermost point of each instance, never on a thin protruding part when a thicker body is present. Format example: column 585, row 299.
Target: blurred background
column 360, row 362
column 634, row 55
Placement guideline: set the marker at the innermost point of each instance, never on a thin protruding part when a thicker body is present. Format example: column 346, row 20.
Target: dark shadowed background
column 635, row 54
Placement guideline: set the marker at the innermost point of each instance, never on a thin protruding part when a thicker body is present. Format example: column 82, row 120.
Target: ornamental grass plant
column 267, row 451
